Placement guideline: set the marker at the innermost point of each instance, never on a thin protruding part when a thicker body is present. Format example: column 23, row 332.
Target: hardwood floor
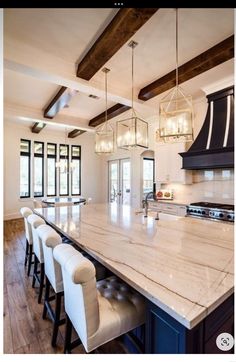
column 24, row 329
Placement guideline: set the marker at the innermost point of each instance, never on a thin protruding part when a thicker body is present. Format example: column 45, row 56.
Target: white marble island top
column 184, row 265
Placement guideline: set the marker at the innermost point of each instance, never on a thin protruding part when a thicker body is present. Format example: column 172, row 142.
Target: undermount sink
column 163, row 216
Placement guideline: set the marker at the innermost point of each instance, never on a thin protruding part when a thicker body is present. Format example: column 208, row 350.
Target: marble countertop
column 184, row 265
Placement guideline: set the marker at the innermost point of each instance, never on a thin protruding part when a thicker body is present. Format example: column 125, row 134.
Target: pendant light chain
column 106, row 97
column 132, row 74
column 177, row 48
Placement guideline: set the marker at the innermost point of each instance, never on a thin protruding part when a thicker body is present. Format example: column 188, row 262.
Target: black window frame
column 55, row 158
column 62, row 157
column 76, row 158
column 28, row 154
column 151, row 159
column 40, row 155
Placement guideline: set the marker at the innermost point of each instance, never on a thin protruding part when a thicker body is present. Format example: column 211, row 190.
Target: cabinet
column 165, row 335
column 169, row 164
column 179, row 210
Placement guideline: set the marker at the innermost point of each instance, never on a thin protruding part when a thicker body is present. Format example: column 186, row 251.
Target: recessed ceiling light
column 93, row 96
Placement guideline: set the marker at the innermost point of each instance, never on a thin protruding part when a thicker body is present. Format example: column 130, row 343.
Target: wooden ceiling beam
column 60, row 100
column 212, row 57
column 122, row 27
column 75, row 133
column 111, row 113
column 37, row 127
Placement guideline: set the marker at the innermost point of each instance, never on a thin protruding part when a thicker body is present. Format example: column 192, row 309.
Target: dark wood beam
column 60, row 100
column 111, row 113
column 122, row 27
column 75, row 133
column 37, row 127
column 212, row 57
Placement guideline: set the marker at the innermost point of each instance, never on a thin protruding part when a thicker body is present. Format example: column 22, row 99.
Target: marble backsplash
column 208, row 185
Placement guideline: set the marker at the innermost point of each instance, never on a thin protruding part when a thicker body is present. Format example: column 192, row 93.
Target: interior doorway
column 120, row 181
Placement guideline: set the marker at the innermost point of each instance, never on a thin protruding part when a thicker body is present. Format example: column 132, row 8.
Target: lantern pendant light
column 104, row 135
column 176, row 111
column 132, row 131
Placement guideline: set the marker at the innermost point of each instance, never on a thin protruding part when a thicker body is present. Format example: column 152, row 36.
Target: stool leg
column 26, row 251
column 46, row 297
column 57, row 318
column 41, row 282
column 36, row 261
column 68, row 332
column 30, row 258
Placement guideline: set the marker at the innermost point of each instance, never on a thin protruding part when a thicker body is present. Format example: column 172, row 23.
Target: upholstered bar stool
column 50, row 238
column 35, row 221
column 99, row 312
column 25, row 212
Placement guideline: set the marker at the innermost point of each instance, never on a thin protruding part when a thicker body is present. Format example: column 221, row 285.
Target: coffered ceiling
column 42, row 49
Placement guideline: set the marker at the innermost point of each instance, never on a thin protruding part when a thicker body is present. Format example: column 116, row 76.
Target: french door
column 120, row 181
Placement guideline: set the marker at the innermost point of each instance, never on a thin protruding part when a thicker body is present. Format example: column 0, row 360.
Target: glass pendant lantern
column 176, row 111
column 132, row 131
column 104, row 135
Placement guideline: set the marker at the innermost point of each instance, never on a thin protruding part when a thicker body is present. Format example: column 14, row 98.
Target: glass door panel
column 125, row 181
column 119, row 181
column 113, row 181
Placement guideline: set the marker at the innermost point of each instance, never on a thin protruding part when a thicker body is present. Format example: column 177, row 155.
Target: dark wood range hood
column 214, row 145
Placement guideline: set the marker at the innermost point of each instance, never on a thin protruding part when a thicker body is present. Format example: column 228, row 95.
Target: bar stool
column 50, row 238
column 35, row 221
column 99, row 313
column 25, row 212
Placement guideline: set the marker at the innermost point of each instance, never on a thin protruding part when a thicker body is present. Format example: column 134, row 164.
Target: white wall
column 91, row 171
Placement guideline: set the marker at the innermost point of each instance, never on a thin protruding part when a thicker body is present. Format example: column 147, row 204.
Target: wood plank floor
column 24, row 329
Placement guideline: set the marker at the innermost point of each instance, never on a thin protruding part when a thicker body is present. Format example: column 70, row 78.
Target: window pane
column 24, row 176
column 76, row 177
column 51, row 149
column 148, row 175
column 63, row 183
column 38, row 176
column 75, row 151
column 51, row 181
column 38, row 147
column 24, row 146
column 64, row 150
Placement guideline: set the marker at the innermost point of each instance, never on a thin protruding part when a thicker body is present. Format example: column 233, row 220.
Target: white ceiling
column 53, row 40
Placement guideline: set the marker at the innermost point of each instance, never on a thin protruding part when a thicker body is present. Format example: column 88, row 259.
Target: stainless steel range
column 210, row 210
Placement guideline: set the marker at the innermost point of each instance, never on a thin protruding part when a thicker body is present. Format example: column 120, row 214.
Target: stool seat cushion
column 35, row 221
column 121, row 309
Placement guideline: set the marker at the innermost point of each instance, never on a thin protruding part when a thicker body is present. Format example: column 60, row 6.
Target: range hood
column 214, row 145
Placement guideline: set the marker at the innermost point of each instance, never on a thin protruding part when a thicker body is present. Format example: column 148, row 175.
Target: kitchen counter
column 182, row 265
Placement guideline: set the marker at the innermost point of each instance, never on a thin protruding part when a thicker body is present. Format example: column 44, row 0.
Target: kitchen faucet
column 145, row 204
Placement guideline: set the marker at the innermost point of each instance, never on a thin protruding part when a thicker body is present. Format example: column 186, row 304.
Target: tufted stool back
column 50, row 238
column 35, row 221
column 25, row 212
column 81, row 303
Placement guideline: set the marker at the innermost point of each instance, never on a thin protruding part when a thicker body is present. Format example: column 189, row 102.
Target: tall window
column 148, row 175
column 24, row 168
column 38, row 168
column 76, row 170
column 64, row 175
column 51, row 169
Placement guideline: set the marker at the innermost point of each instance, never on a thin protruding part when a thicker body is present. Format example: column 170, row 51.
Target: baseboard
column 15, row 215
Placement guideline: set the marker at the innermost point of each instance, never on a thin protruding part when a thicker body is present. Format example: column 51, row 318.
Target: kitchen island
column 183, row 266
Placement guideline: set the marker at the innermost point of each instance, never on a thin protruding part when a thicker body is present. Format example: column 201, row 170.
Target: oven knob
column 203, row 212
column 221, row 215
column 229, row 216
column 199, row 211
